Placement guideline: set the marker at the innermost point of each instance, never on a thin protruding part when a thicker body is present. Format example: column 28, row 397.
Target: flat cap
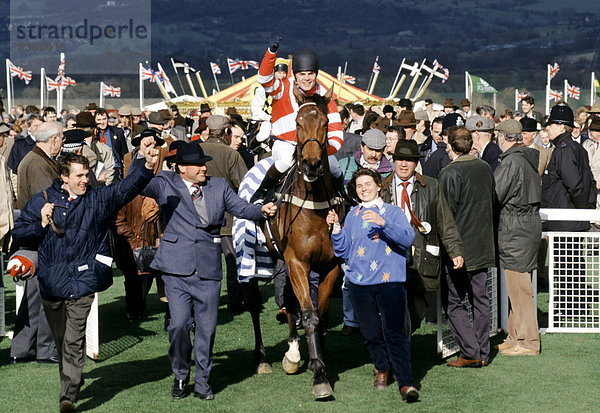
column 216, row 122
column 509, row 127
column 479, row 123
column 374, row 139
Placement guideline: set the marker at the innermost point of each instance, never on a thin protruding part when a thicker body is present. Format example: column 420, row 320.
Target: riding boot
column 338, row 184
column 271, row 178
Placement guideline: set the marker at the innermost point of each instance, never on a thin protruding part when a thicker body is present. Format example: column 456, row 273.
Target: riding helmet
column 281, row 67
column 305, row 61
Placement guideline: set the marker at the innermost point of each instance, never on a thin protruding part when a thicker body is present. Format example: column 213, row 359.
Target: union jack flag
column 553, row 70
column 61, row 67
column 376, row 67
column 67, row 81
column 573, row 91
column 349, row 79
column 235, row 65
column 24, row 75
column 522, row 95
column 52, row 84
column 165, row 79
column 112, row 91
column 555, row 95
column 440, row 71
column 215, row 68
column 147, row 74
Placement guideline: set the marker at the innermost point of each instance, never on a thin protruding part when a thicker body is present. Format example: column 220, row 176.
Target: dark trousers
column 472, row 338
column 32, row 335
column 192, row 299
column 381, row 310
column 68, row 319
column 279, row 282
column 234, row 290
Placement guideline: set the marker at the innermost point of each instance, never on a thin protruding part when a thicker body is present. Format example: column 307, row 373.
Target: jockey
column 305, row 66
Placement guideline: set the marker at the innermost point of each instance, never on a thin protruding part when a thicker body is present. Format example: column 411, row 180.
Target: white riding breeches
column 283, row 155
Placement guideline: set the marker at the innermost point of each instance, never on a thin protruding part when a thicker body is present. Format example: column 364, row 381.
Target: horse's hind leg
column 253, row 302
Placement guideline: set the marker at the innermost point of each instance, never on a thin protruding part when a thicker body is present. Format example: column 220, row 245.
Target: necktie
column 102, row 137
column 197, row 192
column 405, row 205
column 404, row 199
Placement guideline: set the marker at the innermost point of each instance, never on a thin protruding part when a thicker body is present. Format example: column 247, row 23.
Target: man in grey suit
column 189, row 257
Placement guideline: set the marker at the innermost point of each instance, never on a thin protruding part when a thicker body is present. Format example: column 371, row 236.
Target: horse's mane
column 319, row 100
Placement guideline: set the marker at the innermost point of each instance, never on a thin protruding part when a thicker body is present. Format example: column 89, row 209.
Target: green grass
column 134, row 375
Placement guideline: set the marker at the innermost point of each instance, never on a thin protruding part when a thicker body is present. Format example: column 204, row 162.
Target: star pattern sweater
column 375, row 254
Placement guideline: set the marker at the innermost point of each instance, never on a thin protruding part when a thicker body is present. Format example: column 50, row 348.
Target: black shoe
column 178, row 389
column 49, row 360
column 19, row 360
column 208, row 396
column 348, row 330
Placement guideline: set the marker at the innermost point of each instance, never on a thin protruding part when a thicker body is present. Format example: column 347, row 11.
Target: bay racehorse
column 299, row 232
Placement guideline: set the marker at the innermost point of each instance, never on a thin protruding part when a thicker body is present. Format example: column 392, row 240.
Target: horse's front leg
column 299, row 277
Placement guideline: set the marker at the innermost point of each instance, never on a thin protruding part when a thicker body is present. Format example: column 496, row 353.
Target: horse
column 300, row 234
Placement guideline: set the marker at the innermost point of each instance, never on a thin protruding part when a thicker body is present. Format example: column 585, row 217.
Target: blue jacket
column 70, row 266
column 189, row 246
column 375, row 254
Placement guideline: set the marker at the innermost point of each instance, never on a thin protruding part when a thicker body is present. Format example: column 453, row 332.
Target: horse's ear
column 298, row 95
column 329, row 94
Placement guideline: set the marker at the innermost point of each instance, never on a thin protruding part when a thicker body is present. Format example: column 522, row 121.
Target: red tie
column 405, row 204
column 102, row 137
column 404, row 199
column 197, row 192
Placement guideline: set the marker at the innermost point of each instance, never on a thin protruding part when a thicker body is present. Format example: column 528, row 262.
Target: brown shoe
column 409, row 393
column 520, row 351
column 381, row 380
column 504, row 346
column 67, row 406
column 461, row 362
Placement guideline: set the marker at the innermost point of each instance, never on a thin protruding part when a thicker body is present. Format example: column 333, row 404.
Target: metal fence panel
column 446, row 346
column 574, row 282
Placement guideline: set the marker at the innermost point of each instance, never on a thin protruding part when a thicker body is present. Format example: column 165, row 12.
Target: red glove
column 20, row 268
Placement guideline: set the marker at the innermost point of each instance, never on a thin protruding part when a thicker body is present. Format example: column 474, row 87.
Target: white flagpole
column 230, row 72
column 186, row 70
column 467, row 78
column 60, row 88
column 566, row 86
column 396, row 78
column 547, row 89
column 425, row 83
column 42, row 86
column 201, row 84
column 593, row 89
column 494, row 100
column 415, row 79
column 516, row 99
column 141, row 86
column 215, row 77
column 101, row 100
column 178, row 78
column 9, row 95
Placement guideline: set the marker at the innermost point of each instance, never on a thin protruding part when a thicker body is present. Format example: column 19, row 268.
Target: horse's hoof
column 264, row 368
column 322, row 390
column 290, row 367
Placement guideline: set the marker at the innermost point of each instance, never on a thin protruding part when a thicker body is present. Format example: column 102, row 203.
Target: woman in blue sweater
column 374, row 240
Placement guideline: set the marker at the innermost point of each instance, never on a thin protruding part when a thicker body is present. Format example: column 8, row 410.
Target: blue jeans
column 381, row 313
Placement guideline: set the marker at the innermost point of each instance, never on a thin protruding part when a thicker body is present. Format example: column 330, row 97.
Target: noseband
column 300, row 146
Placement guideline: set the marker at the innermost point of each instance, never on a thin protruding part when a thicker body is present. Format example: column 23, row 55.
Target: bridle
column 300, row 146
